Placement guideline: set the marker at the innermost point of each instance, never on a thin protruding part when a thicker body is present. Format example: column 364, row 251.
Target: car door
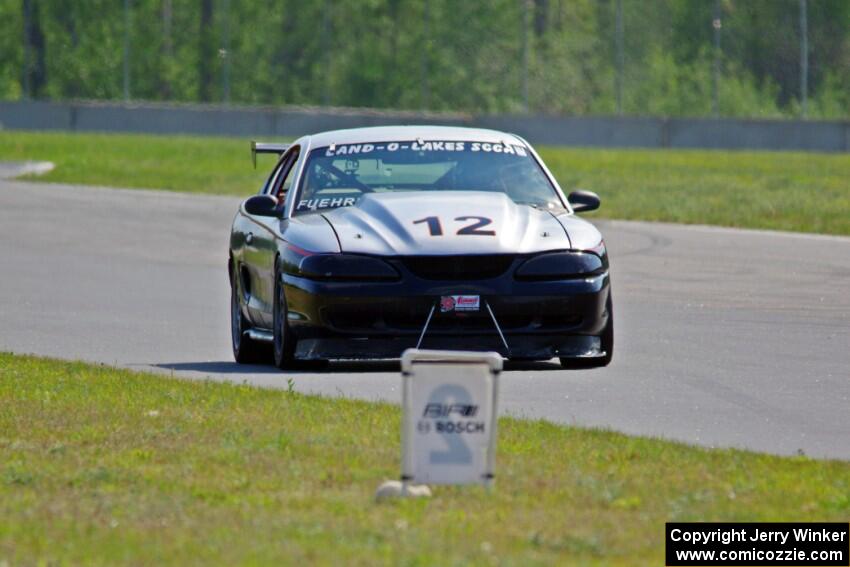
column 244, row 255
column 261, row 244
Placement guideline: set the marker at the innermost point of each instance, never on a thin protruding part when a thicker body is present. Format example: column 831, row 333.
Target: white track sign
column 449, row 422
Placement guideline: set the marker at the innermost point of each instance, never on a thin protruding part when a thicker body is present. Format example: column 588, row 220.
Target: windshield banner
column 419, row 146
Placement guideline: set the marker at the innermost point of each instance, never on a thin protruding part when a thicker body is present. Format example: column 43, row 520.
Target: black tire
column 607, row 340
column 284, row 340
column 245, row 349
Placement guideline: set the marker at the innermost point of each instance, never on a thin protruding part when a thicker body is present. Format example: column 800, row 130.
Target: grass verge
column 220, row 166
column 103, row 466
column 773, row 190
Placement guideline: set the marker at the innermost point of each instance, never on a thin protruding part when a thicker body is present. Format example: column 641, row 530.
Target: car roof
column 404, row 133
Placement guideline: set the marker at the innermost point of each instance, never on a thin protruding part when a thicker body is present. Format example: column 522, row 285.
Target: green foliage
column 834, row 98
column 676, row 88
column 11, row 52
column 440, row 54
column 100, row 466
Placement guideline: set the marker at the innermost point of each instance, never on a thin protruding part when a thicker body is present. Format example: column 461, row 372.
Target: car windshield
column 339, row 175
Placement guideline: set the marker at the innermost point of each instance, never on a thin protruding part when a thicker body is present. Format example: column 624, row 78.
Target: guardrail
column 270, row 122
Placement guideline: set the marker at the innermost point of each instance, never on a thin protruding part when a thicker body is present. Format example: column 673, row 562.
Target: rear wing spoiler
column 266, row 148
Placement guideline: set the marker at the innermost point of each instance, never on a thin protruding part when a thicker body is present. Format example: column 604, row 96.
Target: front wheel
column 607, row 345
column 245, row 349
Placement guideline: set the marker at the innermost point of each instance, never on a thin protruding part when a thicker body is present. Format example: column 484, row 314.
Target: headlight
column 560, row 265
column 351, row 267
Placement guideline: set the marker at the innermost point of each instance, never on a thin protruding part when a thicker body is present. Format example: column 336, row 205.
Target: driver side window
column 287, row 175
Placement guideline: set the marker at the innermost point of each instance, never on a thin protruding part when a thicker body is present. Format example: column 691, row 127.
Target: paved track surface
column 724, row 337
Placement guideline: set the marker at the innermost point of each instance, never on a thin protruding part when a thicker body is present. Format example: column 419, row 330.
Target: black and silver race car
column 365, row 242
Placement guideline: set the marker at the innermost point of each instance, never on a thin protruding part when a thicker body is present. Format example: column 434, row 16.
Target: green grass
column 176, row 163
column 803, row 192
column 775, row 190
column 104, row 466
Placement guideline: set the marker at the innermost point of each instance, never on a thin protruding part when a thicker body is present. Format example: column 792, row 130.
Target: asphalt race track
column 723, row 337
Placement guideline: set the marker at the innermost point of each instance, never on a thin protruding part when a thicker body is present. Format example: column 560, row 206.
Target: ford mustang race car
column 365, row 242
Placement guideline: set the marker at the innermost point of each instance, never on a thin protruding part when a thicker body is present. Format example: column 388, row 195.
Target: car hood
column 386, row 224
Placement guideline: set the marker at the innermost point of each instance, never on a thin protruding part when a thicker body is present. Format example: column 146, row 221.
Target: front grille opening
column 454, row 268
column 481, row 321
column 398, row 319
column 559, row 321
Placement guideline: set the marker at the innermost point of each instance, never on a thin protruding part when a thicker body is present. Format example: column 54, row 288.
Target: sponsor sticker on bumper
column 460, row 303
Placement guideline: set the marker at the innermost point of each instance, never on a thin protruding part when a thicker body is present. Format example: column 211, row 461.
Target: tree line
column 637, row 57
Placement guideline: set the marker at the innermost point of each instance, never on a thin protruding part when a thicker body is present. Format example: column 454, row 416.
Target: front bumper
column 540, row 320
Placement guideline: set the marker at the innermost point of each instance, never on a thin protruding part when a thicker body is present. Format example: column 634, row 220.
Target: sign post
column 449, row 406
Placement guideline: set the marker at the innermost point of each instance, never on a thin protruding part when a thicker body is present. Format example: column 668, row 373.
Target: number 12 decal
column 436, row 229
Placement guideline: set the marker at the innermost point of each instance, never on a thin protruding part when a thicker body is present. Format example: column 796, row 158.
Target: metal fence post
column 618, row 40
column 225, row 52
column 425, row 91
column 126, row 50
column 804, row 57
column 524, row 4
column 326, row 53
column 717, row 24
column 25, row 67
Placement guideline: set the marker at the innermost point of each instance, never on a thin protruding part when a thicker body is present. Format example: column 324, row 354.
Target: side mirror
column 583, row 201
column 262, row 206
